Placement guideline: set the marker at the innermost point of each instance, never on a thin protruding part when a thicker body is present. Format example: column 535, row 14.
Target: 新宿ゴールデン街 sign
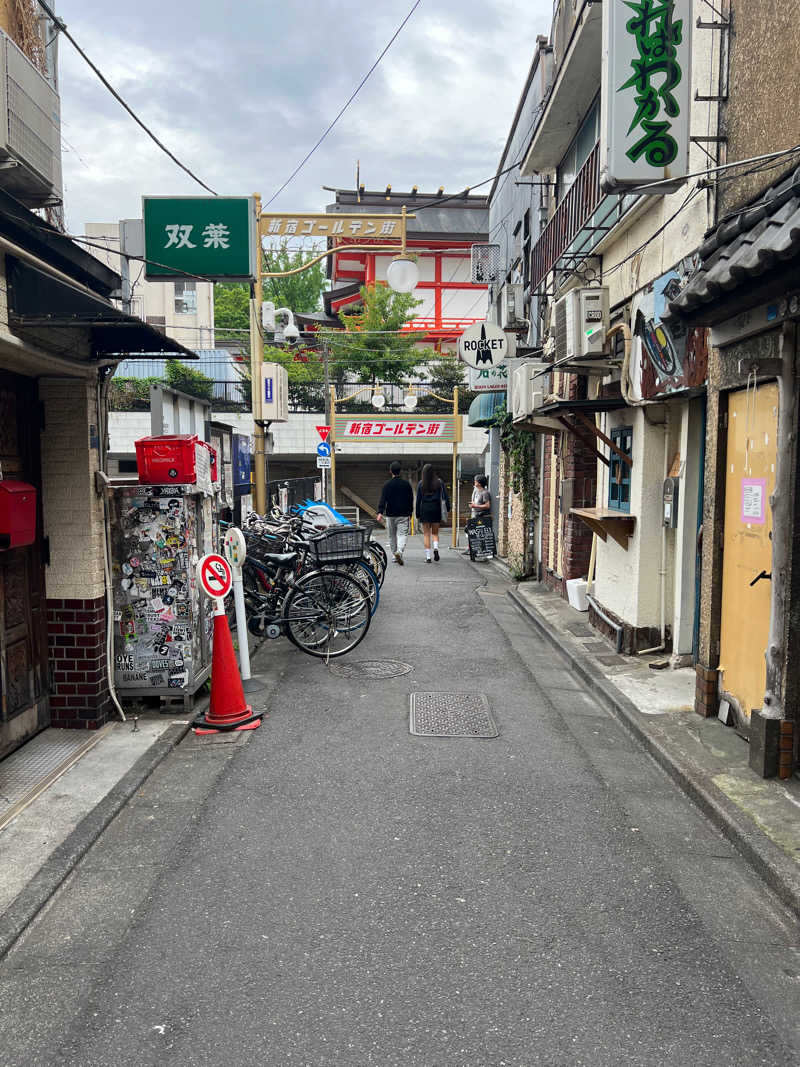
column 350, row 228
column 397, row 428
column 646, row 92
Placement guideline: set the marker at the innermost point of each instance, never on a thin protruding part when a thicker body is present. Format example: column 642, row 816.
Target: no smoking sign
column 214, row 575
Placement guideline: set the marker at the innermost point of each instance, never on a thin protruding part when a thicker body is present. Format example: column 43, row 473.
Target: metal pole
column 256, row 361
column 241, row 624
column 327, row 383
column 455, row 464
column 332, row 439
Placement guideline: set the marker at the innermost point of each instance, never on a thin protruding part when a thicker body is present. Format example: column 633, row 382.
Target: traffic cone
column 227, row 709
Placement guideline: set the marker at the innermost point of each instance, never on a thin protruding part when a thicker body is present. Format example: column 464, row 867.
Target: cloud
column 241, row 100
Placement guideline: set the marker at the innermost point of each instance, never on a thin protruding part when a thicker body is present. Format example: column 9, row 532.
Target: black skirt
column 430, row 511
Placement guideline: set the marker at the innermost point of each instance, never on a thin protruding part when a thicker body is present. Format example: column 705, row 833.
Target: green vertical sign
column 214, row 237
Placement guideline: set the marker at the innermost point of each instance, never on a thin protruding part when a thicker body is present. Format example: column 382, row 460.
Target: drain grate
column 451, row 715
column 371, row 668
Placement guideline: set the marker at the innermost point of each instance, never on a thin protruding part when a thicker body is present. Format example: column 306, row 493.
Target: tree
column 299, row 292
column 188, row 380
column 370, row 346
column 444, row 374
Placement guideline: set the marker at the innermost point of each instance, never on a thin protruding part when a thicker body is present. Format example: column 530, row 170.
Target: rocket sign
column 484, row 345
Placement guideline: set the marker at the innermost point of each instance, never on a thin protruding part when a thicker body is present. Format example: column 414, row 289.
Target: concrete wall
column 761, row 115
column 628, row 582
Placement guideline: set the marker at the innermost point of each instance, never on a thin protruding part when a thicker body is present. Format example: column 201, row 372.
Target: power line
column 358, row 88
column 62, row 26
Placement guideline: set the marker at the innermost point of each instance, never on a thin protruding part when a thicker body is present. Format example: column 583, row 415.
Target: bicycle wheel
column 374, row 559
column 327, row 613
column 366, row 578
column 379, row 550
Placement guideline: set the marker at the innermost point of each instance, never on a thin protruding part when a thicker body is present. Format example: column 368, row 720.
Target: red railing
column 571, row 216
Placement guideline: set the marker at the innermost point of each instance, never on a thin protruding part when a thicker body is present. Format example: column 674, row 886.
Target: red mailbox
column 17, row 514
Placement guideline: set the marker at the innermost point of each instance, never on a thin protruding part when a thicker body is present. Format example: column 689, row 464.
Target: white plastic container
column 576, row 593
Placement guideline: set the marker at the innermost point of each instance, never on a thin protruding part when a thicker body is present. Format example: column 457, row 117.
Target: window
column 619, row 473
column 579, row 151
column 185, row 298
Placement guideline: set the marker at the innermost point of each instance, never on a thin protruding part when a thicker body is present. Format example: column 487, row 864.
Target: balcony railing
column 572, row 214
column 579, row 224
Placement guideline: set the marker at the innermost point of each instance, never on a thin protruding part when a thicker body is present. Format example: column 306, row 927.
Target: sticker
column 166, row 616
column 146, row 572
column 178, row 680
column 126, row 583
column 158, row 680
column 163, row 649
column 753, row 501
column 134, row 676
column 134, row 561
column 159, row 664
column 180, row 633
column 127, row 569
column 168, row 599
column 182, row 611
column 124, row 663
column 117, row 616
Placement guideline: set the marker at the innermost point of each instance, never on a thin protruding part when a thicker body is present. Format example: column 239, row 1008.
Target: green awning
column 483, row 408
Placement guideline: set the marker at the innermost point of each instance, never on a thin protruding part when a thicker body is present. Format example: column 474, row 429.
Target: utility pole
column 256, row 361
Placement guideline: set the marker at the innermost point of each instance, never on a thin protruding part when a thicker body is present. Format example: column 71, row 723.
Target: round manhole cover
column 371, row 668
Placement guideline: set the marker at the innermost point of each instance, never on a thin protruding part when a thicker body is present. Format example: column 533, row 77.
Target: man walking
column 396, row 503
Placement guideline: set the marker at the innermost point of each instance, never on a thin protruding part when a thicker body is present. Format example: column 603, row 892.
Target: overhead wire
column 346, row 105
column 62, row 27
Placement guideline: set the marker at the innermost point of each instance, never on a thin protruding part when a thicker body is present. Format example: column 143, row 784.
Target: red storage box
column 17, row 514
column 168, row 459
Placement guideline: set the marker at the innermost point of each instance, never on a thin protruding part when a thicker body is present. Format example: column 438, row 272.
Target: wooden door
column 23, row 633
column 747, row 545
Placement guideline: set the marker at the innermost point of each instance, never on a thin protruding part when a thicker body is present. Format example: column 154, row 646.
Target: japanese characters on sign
column 366, row 429
column 209, row 237
column 488, row 379
column 645, row 98
column 348, row 227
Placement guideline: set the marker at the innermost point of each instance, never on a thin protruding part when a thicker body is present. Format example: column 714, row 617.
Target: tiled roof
column 746, row 245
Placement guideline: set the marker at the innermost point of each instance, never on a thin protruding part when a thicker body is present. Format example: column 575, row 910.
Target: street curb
column 63, row 860
column 768, row 860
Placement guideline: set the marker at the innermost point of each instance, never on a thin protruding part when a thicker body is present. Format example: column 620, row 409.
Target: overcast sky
column 241, row 92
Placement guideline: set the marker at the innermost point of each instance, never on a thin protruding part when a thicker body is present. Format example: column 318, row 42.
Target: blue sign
column 323, row 448
column 269, row 390
column 242, row 462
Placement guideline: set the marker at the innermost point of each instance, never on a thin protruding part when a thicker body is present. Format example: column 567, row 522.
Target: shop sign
column 213, row 237
column 484, row 345
column 645, row 92
column 363, row 429
column 346, row 228
column 488, row 379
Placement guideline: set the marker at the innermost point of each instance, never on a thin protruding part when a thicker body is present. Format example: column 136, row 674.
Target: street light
column 403, row 274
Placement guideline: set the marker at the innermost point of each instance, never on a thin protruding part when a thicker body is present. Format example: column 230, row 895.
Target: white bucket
column 576, row 593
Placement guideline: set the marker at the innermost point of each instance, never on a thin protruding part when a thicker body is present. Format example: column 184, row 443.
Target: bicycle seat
column 280, row 559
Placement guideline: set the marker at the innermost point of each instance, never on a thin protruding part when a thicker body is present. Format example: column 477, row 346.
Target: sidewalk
column 761, row 817
column 51, row 813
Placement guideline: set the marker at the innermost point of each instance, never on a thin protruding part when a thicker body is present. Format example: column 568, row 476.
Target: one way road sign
column 323, row 449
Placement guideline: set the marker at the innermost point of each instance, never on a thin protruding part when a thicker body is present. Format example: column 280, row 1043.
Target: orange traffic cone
column 227, row 710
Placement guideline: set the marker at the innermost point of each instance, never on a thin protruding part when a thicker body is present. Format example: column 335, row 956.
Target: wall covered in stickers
column 162, row 624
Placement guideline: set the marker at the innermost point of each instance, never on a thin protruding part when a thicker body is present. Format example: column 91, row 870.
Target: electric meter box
column 274, row 393
column 17, row 514
column 670, row 501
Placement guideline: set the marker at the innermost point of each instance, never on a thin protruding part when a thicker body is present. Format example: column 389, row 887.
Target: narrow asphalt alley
column 331, row 890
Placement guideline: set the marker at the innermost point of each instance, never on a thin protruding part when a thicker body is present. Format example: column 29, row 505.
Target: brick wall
column 76, row 631
column 75, row 581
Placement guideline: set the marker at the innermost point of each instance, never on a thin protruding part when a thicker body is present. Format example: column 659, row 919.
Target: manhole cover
column 371, row 668
column 451, row 715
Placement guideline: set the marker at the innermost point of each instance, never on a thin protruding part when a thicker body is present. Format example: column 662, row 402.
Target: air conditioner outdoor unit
column 30, row 129
column 512, row 310
column 581, row 324
column 527, row 389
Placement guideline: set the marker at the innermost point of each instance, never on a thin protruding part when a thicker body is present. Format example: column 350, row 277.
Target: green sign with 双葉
column 211, row 237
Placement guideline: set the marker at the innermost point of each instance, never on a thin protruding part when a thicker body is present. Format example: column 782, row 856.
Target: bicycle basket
column 339, row 544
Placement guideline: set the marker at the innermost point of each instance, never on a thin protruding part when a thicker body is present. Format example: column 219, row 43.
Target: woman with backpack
column 432, row 506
